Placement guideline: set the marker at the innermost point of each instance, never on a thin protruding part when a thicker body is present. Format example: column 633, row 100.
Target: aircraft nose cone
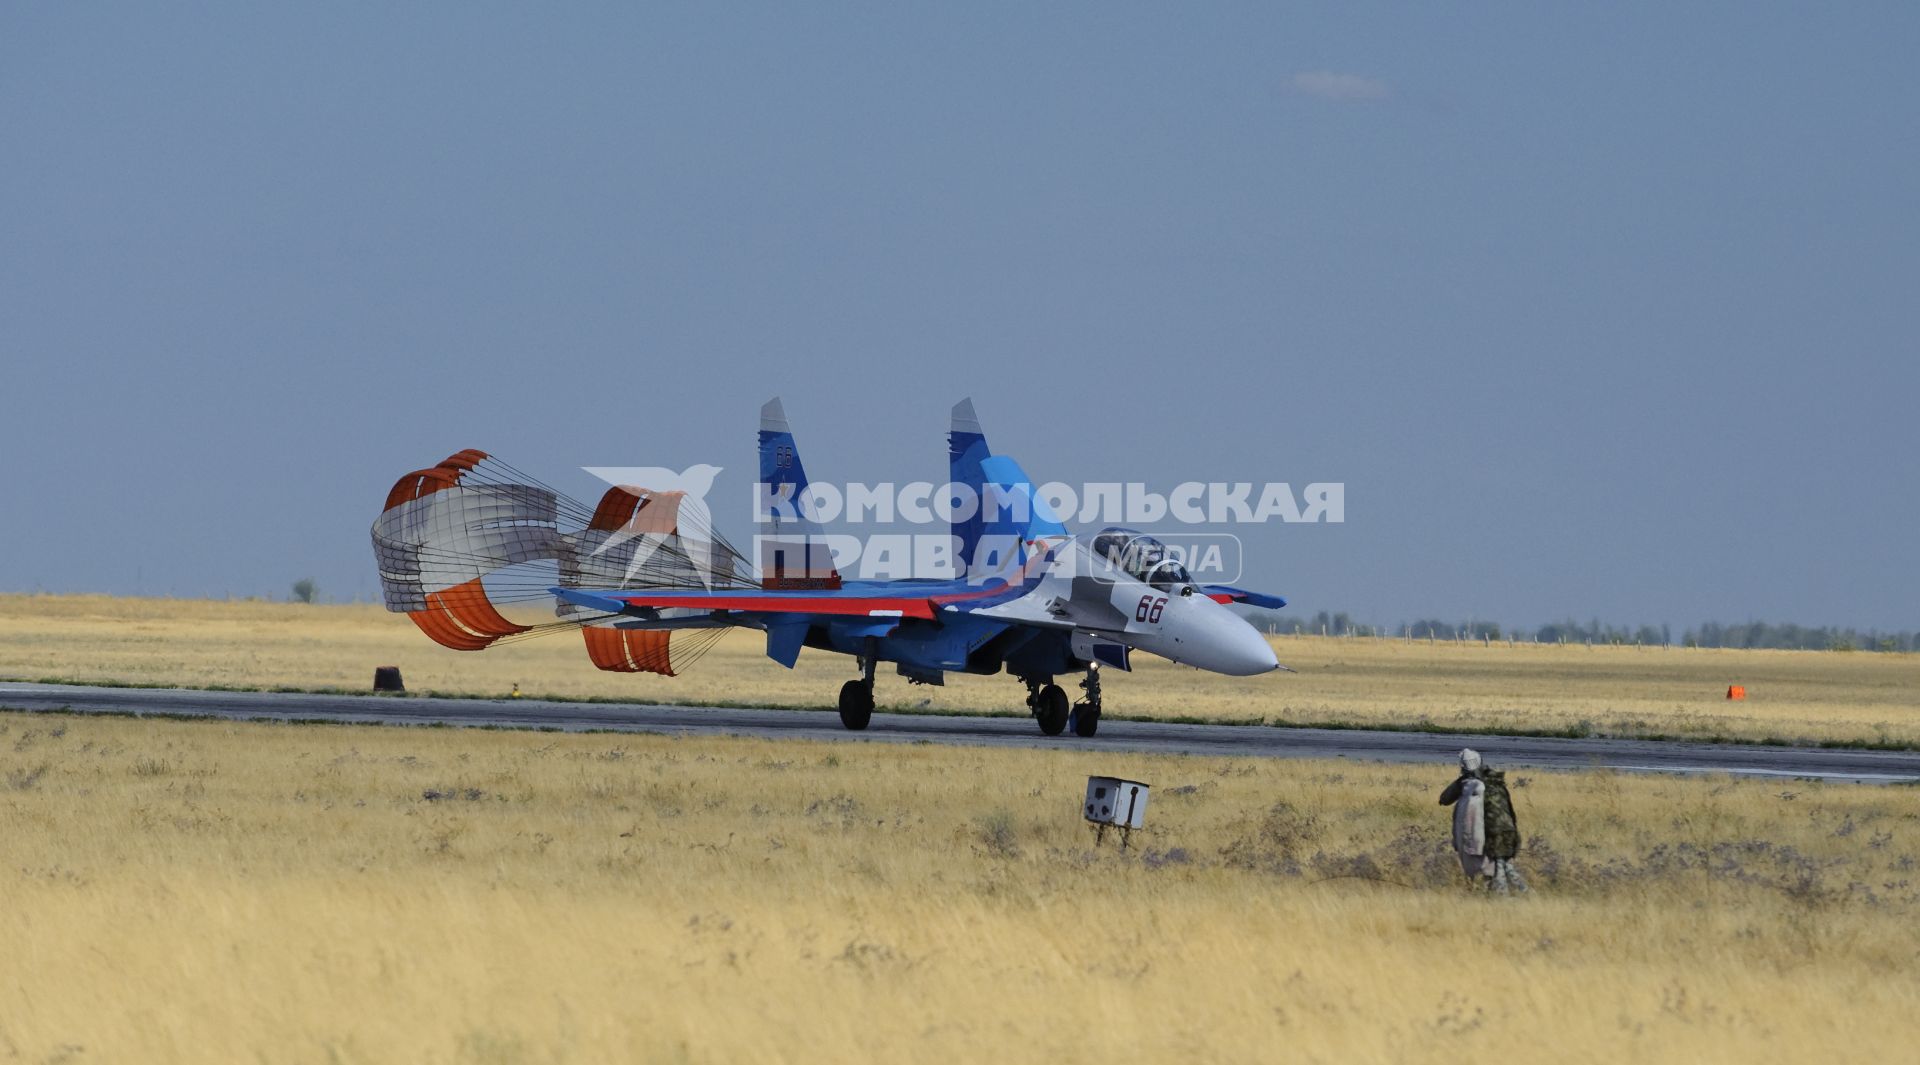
column 1226, row 644
column 1248, row 653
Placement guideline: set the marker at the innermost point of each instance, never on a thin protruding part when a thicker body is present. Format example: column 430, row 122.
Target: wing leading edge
column 1227, row 593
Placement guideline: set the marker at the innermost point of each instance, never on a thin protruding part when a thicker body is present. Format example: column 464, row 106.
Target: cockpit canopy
column 1141, row 557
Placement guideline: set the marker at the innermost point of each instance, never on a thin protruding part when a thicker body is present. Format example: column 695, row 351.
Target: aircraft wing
column 845, row 603
column 786, row 615
column 1227, row 593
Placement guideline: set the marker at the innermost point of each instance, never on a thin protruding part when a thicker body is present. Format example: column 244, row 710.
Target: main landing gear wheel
column 856, row 704
column 1050, row 706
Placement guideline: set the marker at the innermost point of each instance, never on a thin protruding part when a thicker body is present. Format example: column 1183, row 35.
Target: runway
column 1152, row 737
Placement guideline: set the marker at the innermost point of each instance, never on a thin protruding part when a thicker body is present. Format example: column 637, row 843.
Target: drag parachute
column 458, row 540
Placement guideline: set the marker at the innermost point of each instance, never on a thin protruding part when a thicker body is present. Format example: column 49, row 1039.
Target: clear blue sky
column 1601, row 310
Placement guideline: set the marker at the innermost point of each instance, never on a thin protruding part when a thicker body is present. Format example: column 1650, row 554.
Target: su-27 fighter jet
column 1029, row 598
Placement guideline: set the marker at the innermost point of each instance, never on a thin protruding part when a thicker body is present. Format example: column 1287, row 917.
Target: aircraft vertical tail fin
column 793, row 552
column 966, row 449
column 992, row 540
column 1019, row 509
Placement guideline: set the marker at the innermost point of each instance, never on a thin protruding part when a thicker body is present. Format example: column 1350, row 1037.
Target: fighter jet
column 1026, row 597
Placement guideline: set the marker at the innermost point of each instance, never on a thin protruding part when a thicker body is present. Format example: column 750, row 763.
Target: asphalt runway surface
column 1120, row 735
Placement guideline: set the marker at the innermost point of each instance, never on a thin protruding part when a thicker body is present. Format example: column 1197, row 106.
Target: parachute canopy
column 458, row 539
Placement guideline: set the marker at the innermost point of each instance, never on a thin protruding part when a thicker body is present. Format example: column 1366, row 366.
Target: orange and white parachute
column 458, row 540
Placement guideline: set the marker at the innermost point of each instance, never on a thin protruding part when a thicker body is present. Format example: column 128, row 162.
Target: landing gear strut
column 1049, row 705
column 1085, row 717
column 856, row 698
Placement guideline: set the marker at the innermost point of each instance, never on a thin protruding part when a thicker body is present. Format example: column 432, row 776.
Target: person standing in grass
column 1486, row 834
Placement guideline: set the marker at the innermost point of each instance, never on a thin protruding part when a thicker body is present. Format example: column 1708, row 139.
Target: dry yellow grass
column 208, row 891
column 1797, row 695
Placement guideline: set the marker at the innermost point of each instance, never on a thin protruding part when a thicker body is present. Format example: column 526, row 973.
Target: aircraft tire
column 856, row 705
column 1086, row 720
column 1052, row 710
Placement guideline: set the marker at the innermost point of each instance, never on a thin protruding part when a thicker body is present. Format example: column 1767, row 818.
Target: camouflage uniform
column 1485, row 833
column 1503, row 833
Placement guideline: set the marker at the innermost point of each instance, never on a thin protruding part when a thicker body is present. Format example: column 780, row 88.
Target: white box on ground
column 1113, row 801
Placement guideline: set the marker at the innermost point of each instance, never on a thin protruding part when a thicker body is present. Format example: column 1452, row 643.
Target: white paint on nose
column 1216, row 639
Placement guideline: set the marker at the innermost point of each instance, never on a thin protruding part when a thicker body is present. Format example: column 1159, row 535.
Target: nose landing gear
column 1085, row 717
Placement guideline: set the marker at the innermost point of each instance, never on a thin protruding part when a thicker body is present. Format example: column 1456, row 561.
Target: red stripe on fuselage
column 788, row 604
column 1030, row 571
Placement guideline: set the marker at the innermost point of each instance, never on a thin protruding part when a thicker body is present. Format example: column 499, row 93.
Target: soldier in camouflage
column 1486, row 834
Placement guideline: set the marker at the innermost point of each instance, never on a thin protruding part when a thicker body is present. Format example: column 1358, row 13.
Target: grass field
column 209, row 891
column 1793, row 695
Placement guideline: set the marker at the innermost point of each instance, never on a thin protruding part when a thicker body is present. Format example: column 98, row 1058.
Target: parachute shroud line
column 458, row 538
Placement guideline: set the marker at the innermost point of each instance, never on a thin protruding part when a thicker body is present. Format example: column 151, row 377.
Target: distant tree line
column 1751, row 634
column 1799, row 637
column 1323, row 623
